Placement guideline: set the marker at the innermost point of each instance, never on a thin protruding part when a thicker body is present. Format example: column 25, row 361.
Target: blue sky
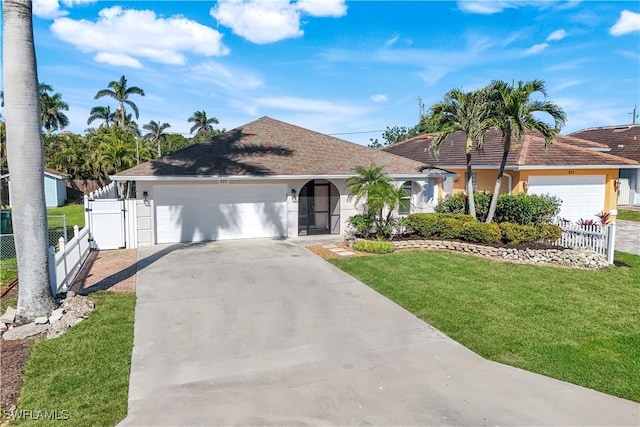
column 336, row 67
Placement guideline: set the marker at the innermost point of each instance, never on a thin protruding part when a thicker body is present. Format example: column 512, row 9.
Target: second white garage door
column 198, row 213
column 582, row 195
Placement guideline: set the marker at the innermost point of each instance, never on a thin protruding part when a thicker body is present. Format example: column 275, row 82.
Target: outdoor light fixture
column 145, row 195
column 525, row 185
column 616, row 184
column 293, row 194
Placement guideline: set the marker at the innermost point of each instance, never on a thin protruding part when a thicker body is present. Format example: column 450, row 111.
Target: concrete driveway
column 628, row 236
column 264, row 332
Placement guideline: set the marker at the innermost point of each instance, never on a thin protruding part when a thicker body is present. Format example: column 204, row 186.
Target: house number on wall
column 571, row 172
column 224, row 181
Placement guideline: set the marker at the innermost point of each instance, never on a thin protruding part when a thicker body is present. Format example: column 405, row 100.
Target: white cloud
column 628, row 22
column 119, row 59
column 557, row 35
column 263, row 22
column 323, row 8
column 380, row 97
column 536, row 48
column 225, row 77
column 52, row 9
column 484, row 7
column 305, row 105
column 392, row 41
column 123, row 37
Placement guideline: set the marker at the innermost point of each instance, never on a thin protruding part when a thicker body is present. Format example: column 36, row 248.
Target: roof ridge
column 596, row 153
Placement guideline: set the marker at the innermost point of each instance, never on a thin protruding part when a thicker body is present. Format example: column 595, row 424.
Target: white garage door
column 582, row 196
column 198, row 213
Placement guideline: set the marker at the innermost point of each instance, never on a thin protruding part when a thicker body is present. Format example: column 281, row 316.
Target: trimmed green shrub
column 526, row 209
column 456, row 204
column 523, row 209
column 549, row 232
column 362, row 224
column 480, row 232
column 374, row 246
column 514, row 234
column 451, row 228
column 424, row 224
column 453, row 203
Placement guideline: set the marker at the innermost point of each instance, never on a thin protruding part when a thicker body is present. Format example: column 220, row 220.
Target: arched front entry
column 318, row 208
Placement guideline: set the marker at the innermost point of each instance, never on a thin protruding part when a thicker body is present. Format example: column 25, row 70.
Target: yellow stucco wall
column 487, row 179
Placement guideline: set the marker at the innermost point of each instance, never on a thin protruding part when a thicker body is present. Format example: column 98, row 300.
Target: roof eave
column 149, row 178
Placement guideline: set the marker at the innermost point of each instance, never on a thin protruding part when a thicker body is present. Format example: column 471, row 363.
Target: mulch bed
column 13, row 357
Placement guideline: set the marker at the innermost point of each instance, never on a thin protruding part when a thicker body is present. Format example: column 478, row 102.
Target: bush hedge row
column 522, row 209
column 464, row 227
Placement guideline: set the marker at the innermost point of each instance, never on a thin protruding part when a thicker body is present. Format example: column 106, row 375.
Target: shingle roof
column 268, row 147
column 531, row 151
column 54, row 173
column 624, row 141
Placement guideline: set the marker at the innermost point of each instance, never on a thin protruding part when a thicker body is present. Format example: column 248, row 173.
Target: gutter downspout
column 510, row 182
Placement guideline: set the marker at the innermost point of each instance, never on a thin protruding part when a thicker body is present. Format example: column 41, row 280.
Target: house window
column 405, row 201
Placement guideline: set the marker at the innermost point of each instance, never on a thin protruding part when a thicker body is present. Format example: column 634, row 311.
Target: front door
column 318, row 208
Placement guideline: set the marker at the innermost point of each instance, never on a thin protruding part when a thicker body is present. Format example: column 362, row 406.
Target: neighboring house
column 583, row 178
column 55, row 187
column 263, row 179
column 622, row 141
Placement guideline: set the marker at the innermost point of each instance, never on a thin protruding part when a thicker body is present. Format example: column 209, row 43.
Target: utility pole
column 634, row 115
column 420, row 109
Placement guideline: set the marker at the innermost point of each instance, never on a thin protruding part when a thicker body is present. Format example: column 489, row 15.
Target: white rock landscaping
column 73, row 309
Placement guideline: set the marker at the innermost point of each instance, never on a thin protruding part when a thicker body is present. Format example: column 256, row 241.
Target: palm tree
column 52, row 107
column 25, row 156
column 101, row 113
column 201, row 124
column 130, row 124
column 156, row 133
column 467, row 112
column 382, row 198
column 514, row 114
column 119, row 91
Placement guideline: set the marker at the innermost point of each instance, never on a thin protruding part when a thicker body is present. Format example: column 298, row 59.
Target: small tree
column 382, row 198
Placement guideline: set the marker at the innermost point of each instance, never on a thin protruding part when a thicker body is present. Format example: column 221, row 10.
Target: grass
column 628, row 215
column 74, row 215
column 85, row 372
column 580, row 326
column 8, row 270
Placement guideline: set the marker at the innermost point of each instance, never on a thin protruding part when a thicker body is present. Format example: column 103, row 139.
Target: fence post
column 611, row 242
column 64, row 227
column 52, row 271
column 76, row 236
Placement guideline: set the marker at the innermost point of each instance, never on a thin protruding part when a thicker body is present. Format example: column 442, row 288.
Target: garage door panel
column 219, row 212
column 582, row 196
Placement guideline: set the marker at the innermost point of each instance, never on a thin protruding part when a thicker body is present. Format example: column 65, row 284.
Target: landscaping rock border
column 73, row 309
column 575, row 258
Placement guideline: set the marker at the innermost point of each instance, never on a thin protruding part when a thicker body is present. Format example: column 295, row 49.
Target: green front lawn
column 628, row 215
column 85, row 372
column 579, row 326
column 74, row 215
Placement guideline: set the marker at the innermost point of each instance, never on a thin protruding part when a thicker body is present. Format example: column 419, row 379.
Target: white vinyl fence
column 69, row 258
column 596, row 237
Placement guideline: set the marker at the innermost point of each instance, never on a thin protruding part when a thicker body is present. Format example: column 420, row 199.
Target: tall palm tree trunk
column 471, row 201
column 26, row 161
column 496, row 190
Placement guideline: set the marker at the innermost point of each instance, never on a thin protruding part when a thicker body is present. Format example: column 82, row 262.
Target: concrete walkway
column 265, row 333
column 628, row 236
